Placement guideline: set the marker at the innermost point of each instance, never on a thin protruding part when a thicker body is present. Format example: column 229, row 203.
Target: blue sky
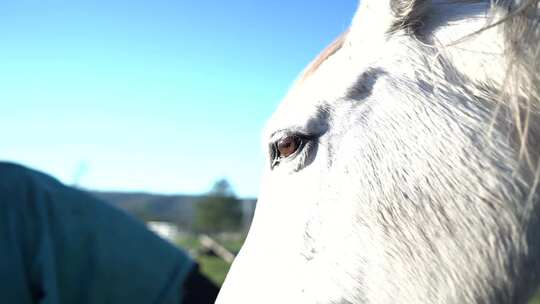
column 159, row 96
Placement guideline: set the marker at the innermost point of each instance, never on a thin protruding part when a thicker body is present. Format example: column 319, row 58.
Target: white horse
column 402, row 165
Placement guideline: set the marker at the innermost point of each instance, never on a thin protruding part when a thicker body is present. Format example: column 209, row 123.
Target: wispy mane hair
column 520, row 90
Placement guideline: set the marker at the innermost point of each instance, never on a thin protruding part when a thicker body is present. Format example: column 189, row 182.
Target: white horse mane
column 404, row 163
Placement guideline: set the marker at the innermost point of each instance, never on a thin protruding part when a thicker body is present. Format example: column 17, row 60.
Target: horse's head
column 402, row 165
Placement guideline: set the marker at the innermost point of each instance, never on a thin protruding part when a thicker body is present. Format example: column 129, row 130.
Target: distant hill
column 177, row 209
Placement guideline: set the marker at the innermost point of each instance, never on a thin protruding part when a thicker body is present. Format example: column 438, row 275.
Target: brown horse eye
column 288, row 145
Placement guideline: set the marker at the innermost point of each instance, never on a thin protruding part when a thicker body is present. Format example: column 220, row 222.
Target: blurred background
column 157, row 106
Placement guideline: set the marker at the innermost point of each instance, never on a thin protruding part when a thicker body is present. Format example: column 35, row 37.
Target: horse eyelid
column 306, row 140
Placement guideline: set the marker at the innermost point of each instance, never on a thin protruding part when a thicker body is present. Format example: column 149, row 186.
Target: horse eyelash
column 301, row 155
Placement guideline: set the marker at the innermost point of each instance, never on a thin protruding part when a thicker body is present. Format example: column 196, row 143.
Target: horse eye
column 287, row 145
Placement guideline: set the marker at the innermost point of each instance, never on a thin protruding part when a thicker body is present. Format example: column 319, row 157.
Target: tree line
column 219, row 211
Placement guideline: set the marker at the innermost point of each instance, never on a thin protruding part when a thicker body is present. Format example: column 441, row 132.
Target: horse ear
column 387, row 16
column 408, row 14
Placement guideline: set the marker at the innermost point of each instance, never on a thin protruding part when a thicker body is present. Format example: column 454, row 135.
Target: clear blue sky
column 160, row 96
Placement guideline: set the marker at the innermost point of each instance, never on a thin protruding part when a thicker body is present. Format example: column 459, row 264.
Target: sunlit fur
column 420, row 184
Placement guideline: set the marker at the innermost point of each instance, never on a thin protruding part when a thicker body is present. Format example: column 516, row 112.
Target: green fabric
column 61, row 245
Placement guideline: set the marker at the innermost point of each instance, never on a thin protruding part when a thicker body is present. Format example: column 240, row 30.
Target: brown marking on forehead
column 323, row 56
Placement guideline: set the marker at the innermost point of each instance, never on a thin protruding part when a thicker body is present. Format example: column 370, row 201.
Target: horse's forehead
column 325, row 81
column 342, row 64
column 330, row 50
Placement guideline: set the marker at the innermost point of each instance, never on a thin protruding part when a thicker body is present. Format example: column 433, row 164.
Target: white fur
column 391, row 206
